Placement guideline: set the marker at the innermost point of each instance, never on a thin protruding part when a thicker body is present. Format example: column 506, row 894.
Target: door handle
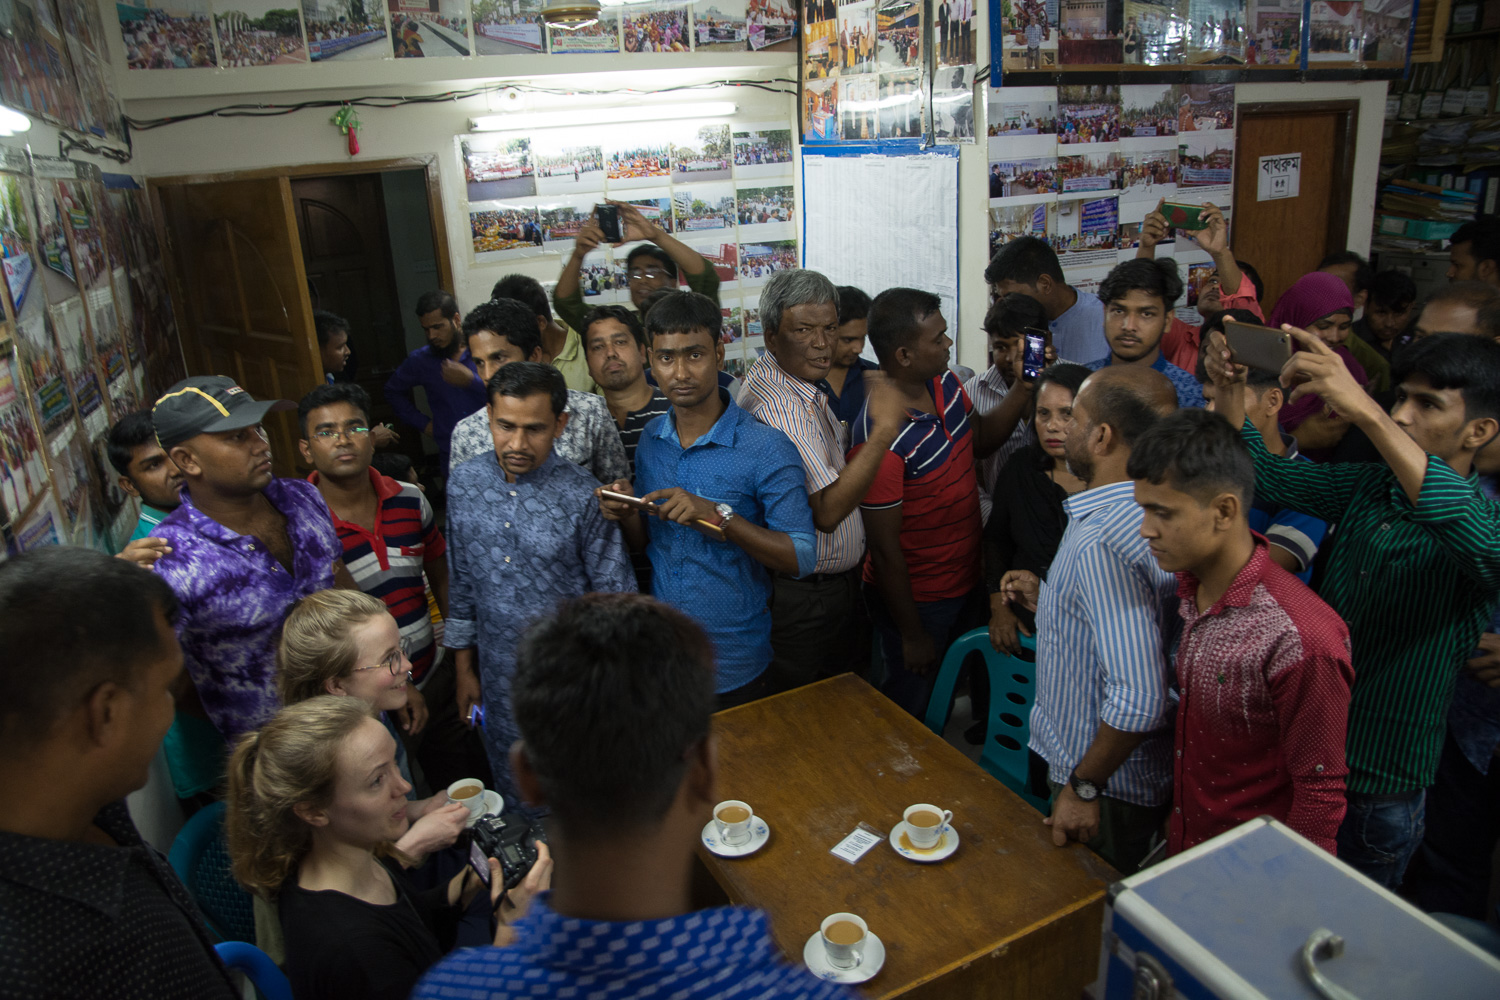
column 1324, row 942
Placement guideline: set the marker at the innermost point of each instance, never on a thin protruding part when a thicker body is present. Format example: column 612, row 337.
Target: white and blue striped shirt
column 1105, row 620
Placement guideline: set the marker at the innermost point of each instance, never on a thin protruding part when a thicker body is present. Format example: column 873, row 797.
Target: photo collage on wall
column 55, row 64
column 1047, row 35
column 73, row 348
column 237, row 34
column 1081, row 166
column 725, row 189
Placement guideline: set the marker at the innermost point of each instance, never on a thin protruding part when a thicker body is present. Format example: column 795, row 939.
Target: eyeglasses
column 394, row 661
column 352, row 432
column 652, row 275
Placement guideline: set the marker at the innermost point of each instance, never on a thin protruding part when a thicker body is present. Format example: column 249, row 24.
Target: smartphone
column 1034, row 356
column 479, row 862
column 636, row 502
column 608, row 217
column 1257, row 346
column 1183, row 216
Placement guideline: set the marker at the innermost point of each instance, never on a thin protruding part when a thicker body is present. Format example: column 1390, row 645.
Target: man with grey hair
column 818, row 624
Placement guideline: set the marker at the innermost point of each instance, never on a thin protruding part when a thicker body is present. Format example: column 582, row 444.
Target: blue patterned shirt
column 1105, row 618
column 235, row 595
column 1189, row 392
column 756, row 470
column 515, row 552
column 724, row 953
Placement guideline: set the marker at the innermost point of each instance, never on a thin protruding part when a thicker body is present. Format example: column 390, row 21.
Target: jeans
column 944, row 621
column 1380, row 833
column 1451, row 870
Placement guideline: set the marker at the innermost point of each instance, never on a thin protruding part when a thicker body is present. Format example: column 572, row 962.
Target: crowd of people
column 1089, row 124
column 752, row 152
column 778, row 257
column 1251, row 591
column 158, row 40
column 504, row 229
column 648, row 161
column 756, row 206
column 259, row 48
column 657, row 31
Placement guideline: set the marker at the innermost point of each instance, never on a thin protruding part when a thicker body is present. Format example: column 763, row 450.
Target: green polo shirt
column 1416, row 584
column 574, row 364
column 150, row 518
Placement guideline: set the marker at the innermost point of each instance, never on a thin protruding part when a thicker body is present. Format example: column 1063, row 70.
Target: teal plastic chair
column 269, row 981
column 1012, row 692
column 201, row 860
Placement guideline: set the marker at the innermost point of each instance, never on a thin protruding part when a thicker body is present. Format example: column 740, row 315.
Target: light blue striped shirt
column 1105, row 620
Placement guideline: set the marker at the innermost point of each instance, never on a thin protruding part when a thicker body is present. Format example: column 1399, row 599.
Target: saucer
column 816, row 960
column 759, row 834
column 492, row 805
column 946, row 845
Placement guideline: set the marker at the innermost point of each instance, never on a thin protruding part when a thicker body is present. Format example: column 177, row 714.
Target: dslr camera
column 509, row 839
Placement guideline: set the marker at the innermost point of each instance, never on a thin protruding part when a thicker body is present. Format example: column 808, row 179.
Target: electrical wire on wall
column 776, row 86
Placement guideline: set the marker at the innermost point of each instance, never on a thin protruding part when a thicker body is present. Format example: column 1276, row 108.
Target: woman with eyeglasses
column 345, row 642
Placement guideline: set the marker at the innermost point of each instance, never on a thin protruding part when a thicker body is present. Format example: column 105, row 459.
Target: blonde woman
column 316, row 806
column 344, row 642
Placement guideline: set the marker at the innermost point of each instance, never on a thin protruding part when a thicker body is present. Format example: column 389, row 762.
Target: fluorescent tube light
column 601, row 116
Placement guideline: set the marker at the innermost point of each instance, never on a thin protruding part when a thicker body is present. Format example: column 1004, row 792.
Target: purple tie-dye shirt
column 235, row 595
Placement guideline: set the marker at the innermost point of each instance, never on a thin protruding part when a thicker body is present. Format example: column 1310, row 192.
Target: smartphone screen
column 1034, row 359
column 609, row 223
column 479, row 862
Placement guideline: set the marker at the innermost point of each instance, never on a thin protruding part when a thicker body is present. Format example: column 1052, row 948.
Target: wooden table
column 1008, row 915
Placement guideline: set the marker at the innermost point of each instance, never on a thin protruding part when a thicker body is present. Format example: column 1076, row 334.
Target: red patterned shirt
column 1264, row 677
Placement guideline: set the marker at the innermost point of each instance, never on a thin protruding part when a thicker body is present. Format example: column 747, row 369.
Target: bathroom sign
column 1278, row 177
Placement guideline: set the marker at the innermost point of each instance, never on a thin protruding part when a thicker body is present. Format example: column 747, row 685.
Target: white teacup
column 473, row 800
column 736, row 829
column 926, row 836
column 842, row 952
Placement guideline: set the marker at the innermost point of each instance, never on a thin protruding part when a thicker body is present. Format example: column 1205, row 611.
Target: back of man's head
column 505, row 318
column 1024, row 260
column 326, row 395
column 1012, row 315
column 896, row 318
column 325, row 323
column 133, row 430
column 853, row 304
column 788, row 289
column 1347, row 260
column 683, row 312
column 1127, row 398
column 437, row 301
column 1197, row 453
column 93, row 617
column 1482, row 235
column 1157, row 278
column 610, row 695
column 525, row 290
column 1476, row 295
column 1455, row 361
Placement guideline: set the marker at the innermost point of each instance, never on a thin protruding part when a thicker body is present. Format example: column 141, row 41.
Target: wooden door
column 237, row 277
column 1285, row 238
column 346, row 251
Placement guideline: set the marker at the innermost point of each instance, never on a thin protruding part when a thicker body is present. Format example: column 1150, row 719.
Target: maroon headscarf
column 1313, row 297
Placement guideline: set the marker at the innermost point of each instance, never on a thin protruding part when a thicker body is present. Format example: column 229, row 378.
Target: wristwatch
column 726, row 513
column 1085, row 789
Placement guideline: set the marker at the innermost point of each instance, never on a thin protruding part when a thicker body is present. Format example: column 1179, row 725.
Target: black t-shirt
column 1027, row 519
column 342, row 948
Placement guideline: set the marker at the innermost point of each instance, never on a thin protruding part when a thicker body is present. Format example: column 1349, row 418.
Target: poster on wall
column 953, row 104
column 721, row 26
column 1155, row 32
column 429, row 29
column 497, row 165
column 771, row 25
column 762, row 151
column 259, row 33
column 35, row 77
column 898, row 26
column 600, row 37
column 655, row 28
column 37, row 353
column 508, row 27
column 1216, row 32
column 344, row 30
column 23, row 472
column 856, row 36
column 176, row 34
column 859, row 107
column 1031, row 29
column 1387, row 28
column 1090, row 33
column 702, row 155
column 1273, row 33
column 638, row 163
column 564, row 165
column 500, row 230
column 954, row 31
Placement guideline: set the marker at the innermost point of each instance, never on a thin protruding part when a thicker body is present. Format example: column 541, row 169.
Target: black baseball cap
column 208, row 404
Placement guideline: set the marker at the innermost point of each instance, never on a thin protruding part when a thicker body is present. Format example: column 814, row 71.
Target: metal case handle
column 1331, row 945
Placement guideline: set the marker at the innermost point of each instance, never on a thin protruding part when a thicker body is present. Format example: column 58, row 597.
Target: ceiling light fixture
column 570, row 15
column 601, row 116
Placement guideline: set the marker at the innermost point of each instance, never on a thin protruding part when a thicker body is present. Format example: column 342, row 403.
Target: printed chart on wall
column 723, row 188
column 881, row 221
column 1080, row 166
